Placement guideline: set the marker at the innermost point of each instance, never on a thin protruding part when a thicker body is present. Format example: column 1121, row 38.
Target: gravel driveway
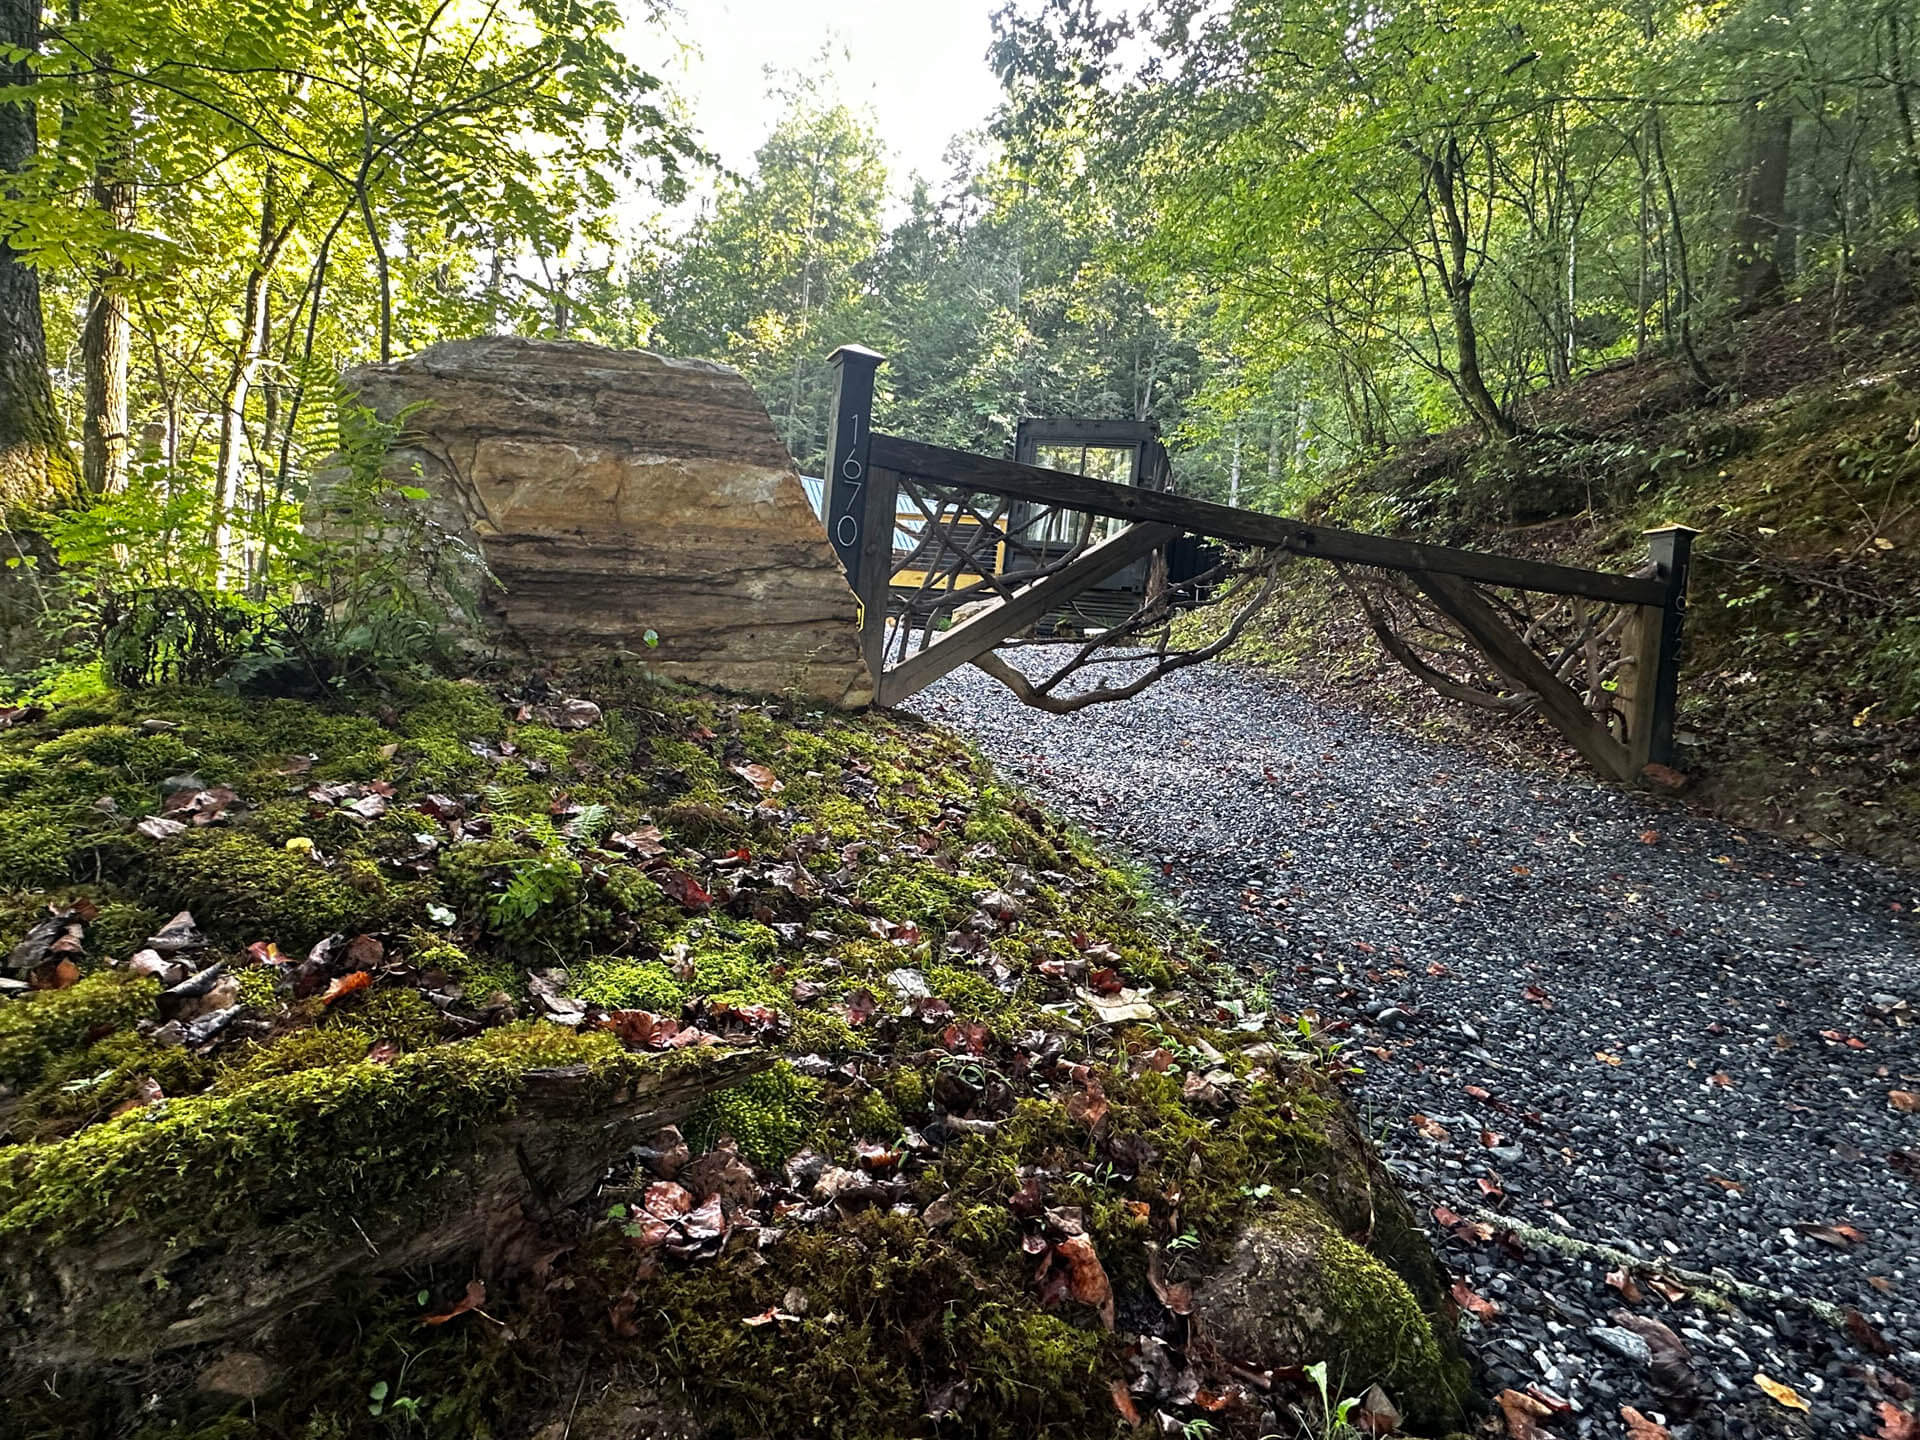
column 1586, row 1018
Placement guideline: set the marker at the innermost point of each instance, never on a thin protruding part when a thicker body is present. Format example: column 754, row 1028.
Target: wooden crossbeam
column 981, row 632
column 1516, row 660
column 1244, row 527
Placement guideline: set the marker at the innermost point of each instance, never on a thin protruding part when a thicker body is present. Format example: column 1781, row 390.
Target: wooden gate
column 1014, row 543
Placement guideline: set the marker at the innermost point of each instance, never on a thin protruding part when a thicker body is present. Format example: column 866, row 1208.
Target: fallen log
column 151, row 1236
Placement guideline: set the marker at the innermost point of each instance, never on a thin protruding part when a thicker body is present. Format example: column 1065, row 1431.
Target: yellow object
column 300, row 845
column 1782, row 1394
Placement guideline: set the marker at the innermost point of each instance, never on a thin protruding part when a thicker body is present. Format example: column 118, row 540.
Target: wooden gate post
column 849, row 436
column 1656, row 668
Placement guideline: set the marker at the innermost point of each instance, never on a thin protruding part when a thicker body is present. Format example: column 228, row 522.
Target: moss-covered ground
column 425, row 894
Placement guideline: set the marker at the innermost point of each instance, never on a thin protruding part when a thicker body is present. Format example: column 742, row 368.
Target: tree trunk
column 35, row 465
column 107, row 334
column 1457, row 273
column 1760, row 254
column 1903, row 102
column 246, row 362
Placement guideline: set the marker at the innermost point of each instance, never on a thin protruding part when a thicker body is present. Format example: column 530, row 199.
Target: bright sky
column 919, row 64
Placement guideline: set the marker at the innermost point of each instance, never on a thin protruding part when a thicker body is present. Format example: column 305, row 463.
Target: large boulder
column 616, row 492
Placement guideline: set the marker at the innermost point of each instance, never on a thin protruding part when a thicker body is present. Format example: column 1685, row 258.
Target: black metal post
column 849, row 432
column 1671, row 549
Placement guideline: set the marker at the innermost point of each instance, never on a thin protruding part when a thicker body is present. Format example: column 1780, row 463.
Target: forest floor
column 1630, row 1061
column 1800, row 684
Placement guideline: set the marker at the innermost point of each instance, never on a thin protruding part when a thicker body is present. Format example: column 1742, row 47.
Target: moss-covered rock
column 1295, row 1291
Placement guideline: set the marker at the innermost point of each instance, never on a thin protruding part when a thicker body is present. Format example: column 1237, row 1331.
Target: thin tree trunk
column 35, row 465
column 1233, row 475
column 1685, row 277
column 240, row 376
column 107, row 335
column 1456, row 279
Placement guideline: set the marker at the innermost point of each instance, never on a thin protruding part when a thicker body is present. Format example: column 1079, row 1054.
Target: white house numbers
column 852, row 475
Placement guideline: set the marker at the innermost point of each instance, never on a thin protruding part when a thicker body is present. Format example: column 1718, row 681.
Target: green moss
column 767, row 1115
column 400, row 1014
column 629, row 985
column 242, row 889
column 43, row 1024
column 872, row 1117
column 337, row 1141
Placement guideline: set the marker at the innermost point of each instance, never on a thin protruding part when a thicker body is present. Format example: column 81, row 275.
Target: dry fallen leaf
column 1622, row 1281
column 1123, row 1402
column 1897, row 1424
column 475, row 1297
column 1781, row 1394
column 1086, row 1277
column 1907, row 1102
column 346, row 985
column 1521, row 1411
column 1481, row 1308
column 1639, row 1427
column 1606, row 1057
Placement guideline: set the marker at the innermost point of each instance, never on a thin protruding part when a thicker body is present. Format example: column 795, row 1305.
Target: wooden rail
column 866, row 471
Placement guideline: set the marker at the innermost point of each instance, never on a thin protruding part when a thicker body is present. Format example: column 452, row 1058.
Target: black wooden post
column 849, row 432
column 1657, row 683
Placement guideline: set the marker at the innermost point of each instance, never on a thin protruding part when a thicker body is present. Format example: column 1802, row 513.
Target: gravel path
column 1583, row 1014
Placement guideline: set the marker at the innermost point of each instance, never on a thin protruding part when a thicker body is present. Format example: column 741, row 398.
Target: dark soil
column 1587, row 1018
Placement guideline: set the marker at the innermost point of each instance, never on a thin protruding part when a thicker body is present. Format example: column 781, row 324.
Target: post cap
column 1673, row 530
column 856, row 352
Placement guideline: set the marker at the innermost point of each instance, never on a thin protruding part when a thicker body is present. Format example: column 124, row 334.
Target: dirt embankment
column 1800, row 706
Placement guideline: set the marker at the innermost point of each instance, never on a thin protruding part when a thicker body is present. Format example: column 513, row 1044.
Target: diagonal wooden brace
column 1515, row 659
column 981, row 632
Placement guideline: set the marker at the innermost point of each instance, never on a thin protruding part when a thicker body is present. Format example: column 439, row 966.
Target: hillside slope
column 1800, row 702
column 372, row 1136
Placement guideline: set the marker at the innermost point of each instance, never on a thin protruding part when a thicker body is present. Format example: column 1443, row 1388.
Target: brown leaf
column 475, row 1297
column 1907, row 1102
column 1622, row 1280
column 1086, row 1277
column 1865, row 1336
column 1522, row 1413
column 1897, row 1424
column 1639, row 1427
column 1123, row 1402
column 346, row 985
column 758, row 776
column 1481, row 1308
column 1649, row 837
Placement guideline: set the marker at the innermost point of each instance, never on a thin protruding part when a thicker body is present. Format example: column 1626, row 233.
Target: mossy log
column 83, row 1292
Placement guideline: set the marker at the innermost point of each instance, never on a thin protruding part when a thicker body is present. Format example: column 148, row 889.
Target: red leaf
column 1123, row 1402
column 475, row 1297
column 685, row 891
column 1105, row 981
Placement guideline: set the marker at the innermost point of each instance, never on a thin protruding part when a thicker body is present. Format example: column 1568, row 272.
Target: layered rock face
column 614, row 492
